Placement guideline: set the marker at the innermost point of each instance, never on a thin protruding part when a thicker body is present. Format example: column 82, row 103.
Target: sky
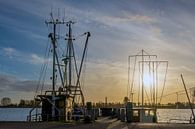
column 119, row 28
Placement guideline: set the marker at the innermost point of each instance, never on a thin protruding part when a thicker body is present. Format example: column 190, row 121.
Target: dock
column 103, row 123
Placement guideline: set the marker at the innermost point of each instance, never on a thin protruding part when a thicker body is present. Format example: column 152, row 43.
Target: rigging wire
column 77, row 74
column 173, row 93
column 59, row 70
column 139, row 87
column 132, row 83
column 144, row 88
column 147, row 96
column 45, row 69
column 128, row 80
column 78, row 85
column 42, row 69
column 150, row 74
column 164, row 83
column 156, row 82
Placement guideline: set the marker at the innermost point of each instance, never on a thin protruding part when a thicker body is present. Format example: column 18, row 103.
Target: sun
column 147, row 80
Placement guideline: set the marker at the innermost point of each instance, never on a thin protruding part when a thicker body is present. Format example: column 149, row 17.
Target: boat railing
column 57, row 92
column 38, row 117
column 61, row 92
column 35, row 107
column 34, row 117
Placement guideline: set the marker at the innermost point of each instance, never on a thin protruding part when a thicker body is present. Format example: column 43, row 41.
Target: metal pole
column 153, row 84
column 128, row 83
column 139, row 87
column 70, row 53
column 54, row 52
column 80, row 68
column 142, row 79
column 177, row 100
column 156, row 84
column 188, row 98
column 133, row 75
column 53, row 39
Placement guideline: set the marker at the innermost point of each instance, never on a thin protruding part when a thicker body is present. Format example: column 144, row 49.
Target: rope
column 76, row 98
column 132, row 83
column 42, row 68
column 75, row 62
column 164, row 83
column 59, row 69
column 147, row 96
column 45, row 69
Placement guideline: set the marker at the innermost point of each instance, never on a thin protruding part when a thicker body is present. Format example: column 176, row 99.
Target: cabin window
column 147, row 113
column 135, row 113
column 152, row 113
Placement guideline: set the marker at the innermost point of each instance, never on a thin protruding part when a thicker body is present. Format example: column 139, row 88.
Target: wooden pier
column 100, row 124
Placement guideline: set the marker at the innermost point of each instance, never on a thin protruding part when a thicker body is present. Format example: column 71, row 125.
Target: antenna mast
column 53, row 38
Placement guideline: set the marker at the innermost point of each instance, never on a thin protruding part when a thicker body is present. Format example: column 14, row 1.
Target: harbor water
column 15, row 114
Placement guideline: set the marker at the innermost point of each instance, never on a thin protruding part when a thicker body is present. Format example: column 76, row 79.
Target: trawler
column 65, row 96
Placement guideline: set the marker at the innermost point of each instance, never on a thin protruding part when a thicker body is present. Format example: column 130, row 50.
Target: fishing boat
column 65, row 95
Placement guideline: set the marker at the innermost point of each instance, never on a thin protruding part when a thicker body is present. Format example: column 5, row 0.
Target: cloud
column 156, row 30
column 9, row 52
column 137, row 17
column 109, row 20
column 20, row 56
column 140, row 18
column 10, row 83
column 35, row 59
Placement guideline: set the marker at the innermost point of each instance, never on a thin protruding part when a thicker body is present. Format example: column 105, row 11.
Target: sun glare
column 147, row 79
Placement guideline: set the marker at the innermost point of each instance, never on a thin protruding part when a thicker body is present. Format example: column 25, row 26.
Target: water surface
column 14, row 114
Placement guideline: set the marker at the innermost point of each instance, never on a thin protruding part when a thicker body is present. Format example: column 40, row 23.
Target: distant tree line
column 178, row 105
column 6, row 102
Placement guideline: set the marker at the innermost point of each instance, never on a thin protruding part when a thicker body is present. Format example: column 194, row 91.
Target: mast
column 53, row 40
column 70, row 51
column 54, row 22
column 140, row 57
column 74, row 88
column 188, row 99
column 147, row 64
column 54, row 61
column 142, row 78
